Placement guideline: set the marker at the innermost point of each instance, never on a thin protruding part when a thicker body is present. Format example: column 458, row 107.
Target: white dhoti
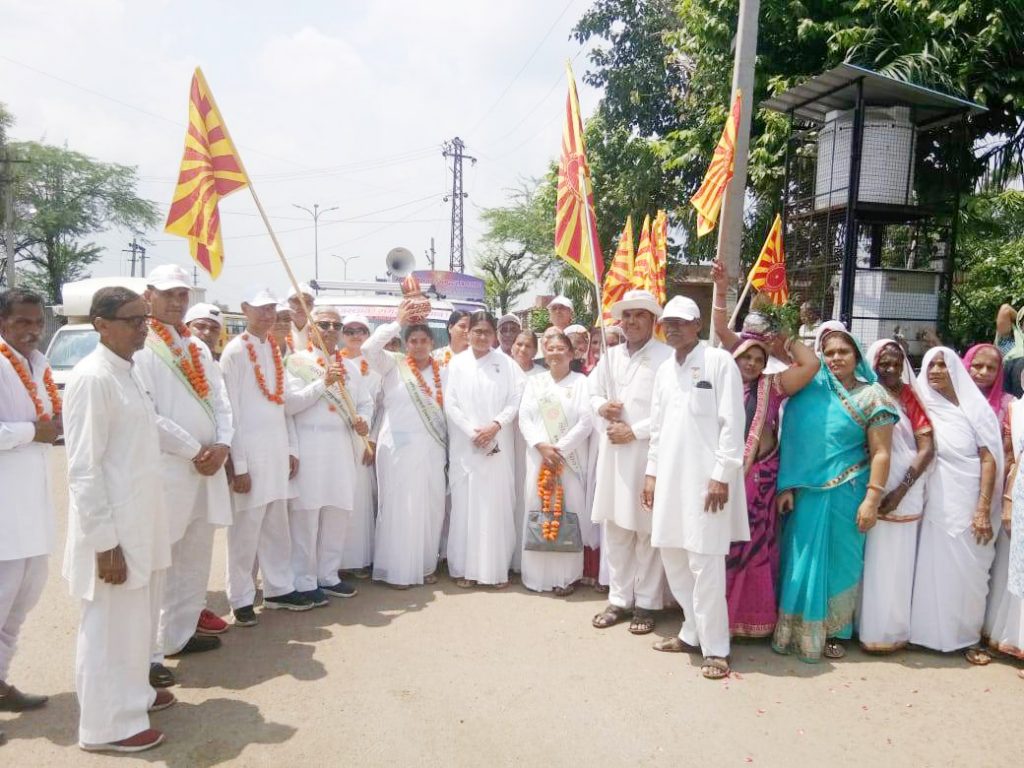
column 950, row 587
column 698, row 585
column 358, row 549
column 259, row 532
column 635, row 575
column 883, row 616
column 112, row 664
column 1004, row 618
column 21, row 584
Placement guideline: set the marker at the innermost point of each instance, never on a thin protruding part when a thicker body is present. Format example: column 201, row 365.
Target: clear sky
column 339, row 103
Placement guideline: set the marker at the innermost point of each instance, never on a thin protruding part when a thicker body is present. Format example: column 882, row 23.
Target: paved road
column 442, row 676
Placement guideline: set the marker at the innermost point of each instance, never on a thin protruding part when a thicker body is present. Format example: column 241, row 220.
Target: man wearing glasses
column 117, row 529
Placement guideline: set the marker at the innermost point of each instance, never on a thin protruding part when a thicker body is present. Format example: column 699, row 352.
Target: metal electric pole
column 7, row 198
column 431, row 255
column 454, row 149
column 137, row 254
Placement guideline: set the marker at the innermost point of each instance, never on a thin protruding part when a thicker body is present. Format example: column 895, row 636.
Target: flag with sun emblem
column 768, row 274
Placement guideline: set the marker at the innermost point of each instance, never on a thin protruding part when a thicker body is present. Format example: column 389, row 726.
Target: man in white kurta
column 699, row 501
column 196, row 492
column 300, row 332
column 330, row 447
column 117, row 530
column 29, row 424
column 620, row 395
column 264, row 459
column 357, row 554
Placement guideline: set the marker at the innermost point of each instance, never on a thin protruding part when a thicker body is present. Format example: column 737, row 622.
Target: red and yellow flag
column 210, row 170
column 617, row 279
column 708, row 200
column 659, row 251
column 643, row 267
column 576, row 196
column 768, row 275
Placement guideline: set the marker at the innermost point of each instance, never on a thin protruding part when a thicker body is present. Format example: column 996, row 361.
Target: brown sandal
column 465, row 583
column 834, row 649
column 979, row 657
column 674, row 645
column 715, row 668
column 642, row 623
column 564, row 591
column 610, row 616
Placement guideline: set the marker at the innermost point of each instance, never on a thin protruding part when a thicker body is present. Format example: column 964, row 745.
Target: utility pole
column 431, row 255
column 7, row 196
column 346, row 260
column 195, row 275
column 454, row 149
column 316, row 213
column 730, row 224
column 138, row 253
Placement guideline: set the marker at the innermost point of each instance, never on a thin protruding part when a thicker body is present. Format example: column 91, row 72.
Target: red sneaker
column 140, row 742
column 164, row 699
column 211, row 624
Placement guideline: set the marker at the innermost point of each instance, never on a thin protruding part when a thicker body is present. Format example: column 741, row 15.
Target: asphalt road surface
column 442, row 676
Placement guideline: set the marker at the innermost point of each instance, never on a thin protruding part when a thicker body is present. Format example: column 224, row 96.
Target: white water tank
column 886, row 170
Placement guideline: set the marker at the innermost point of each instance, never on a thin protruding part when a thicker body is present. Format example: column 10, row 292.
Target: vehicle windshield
column 69, row 347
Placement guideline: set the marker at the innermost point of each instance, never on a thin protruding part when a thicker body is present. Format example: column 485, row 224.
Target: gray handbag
column 569, row 537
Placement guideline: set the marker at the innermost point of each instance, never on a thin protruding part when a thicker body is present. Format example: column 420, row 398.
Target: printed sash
column 157, row 346
column 432, row 416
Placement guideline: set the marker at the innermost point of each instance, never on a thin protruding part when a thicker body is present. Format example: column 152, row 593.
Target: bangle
column 987, row 498
column 720, row 308
column 1007, row 498
column 874, row 487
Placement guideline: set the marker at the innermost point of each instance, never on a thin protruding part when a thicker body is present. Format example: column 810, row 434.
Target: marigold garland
column 435, row 366
column 278, row 395
column 31, row 388
column 192, row 367
column 364, row 366
column 549, row 486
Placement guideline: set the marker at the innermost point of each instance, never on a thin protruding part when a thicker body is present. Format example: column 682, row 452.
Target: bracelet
column 720, row 308
column 874, row 487
column 987, row 498
column 1007, row 498
column 909, row 479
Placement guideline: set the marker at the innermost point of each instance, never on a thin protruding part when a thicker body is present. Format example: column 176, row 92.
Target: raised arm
column 803, row 369
column 380, row 360
column 719, row 311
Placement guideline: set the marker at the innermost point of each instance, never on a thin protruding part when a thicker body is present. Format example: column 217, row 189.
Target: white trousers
column 259, row 532
column 21, row 584
column 698, row 585
column 318, row 541
column 112, row 664
column 185, row 583
column 635, row 575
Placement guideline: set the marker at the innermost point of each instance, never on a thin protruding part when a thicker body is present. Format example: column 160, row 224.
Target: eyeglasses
column 137, row 320
column 354, row 331
column 327, row 325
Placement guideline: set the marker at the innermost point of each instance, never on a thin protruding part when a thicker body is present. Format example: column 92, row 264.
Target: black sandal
column 610, row 616
column 642, row 623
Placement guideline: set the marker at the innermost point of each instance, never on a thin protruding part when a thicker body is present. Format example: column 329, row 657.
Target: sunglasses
column 327, row 325
column 355, row 331
column 137, row 320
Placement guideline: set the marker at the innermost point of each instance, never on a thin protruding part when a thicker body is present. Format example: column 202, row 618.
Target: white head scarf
column 827, row 327
column 908, row 370
column 974, row 406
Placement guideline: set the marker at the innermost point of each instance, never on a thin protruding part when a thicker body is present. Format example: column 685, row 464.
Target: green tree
column 62, row 198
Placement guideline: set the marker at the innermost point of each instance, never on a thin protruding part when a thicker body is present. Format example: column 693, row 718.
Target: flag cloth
column 643, row 267
column 210, row 170
column 659, row 251
column 617, row 279
column 768, row 275
column 576, row 197
column 708, row 200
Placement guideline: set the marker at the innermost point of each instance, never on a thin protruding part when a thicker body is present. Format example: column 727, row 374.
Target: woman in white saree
column 555, row 420
column 962, row 503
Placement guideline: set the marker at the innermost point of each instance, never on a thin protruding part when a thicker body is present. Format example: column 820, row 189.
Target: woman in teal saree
column 834, row 463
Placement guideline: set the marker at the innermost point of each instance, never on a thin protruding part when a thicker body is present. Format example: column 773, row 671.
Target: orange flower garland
column 191, row 367
column 30, row 386
column 438, row 395
column 549, row 485
column 344, row 374
column 278, row 395
column 364, row 366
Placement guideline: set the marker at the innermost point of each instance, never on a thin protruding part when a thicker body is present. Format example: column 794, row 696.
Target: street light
column 316, row 213
column 345, row 259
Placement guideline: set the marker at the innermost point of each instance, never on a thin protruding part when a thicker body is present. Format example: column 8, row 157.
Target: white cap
column 636, row 299
column 575, row 329
column 510, row 318
column 257, row 296
column 283, row 307
column 355, row 320
column 560, row 301
column 681, row 308
column 167, row 277
column 614, row 330
column 204, row 312
column 304, row 289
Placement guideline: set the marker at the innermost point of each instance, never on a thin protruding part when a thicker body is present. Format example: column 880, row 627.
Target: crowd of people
column 798, row 489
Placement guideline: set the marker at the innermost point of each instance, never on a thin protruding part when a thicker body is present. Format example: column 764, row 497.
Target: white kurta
column 697, row 426
column 482, row 534
column 26, row 514
column 543, row 571
column 620, row 468
column 410, row 474
column 358, row 549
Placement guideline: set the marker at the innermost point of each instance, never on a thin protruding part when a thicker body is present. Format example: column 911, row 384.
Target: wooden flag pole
column 346, row 398
column 597, row 288
column 739, row 303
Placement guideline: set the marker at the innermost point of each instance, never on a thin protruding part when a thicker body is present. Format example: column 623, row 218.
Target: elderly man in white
column 698, row 500
column 117, row 528
column 300, row 333
column 264, row 460
column 620, row 394
column 29, row 424
column 330, row 443
column 188, row 391
column 509, row 327
column 560, row 312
